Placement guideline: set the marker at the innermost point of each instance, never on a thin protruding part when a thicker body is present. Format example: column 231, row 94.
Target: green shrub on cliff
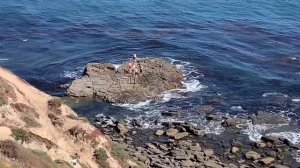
column 54, row 105
column 30, row 121
column 20, row 135
column 101, row 157
column 119, row 150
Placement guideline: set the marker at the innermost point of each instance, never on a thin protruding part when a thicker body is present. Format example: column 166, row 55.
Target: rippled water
column 246, row 52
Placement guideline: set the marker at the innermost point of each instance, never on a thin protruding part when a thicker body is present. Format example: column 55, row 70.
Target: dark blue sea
column 246, row 54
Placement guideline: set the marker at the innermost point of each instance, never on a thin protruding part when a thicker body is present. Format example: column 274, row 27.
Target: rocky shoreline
column 182, row 144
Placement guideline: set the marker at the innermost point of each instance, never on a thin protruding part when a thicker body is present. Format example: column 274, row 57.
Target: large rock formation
column 105, row 82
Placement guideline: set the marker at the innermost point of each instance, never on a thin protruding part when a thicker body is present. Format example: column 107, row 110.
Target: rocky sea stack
column 117, row 85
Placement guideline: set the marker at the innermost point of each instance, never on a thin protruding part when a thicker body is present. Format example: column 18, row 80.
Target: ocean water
column 245, row 52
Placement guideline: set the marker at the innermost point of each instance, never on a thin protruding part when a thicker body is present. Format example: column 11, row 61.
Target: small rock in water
column 251, row 155
column 234, row 122
column 267, row 118
column 159, row 132
column 171, row 113
column 214, row 117
column 206, row 109
column 273, row 140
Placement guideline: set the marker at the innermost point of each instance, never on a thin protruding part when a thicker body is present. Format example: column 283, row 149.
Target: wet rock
column 206, row 109
column 196, row 132
column 212, row 164
column 214, row 117
column 234, row 122
column 290, row 144
column 181, row 135
column 266, row 160
column 171, row 113
column 136, row 123
column 251, row 155
column 271, row 139
column 122, row 128
column 104, row 82
column 208, row 152
column 230, row 165
column 179, row 154
column 215, row 101
column 159, row 132
column 171, row 132
column 267, row 118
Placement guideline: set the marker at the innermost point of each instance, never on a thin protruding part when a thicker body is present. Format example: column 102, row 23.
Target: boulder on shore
column 117, row 85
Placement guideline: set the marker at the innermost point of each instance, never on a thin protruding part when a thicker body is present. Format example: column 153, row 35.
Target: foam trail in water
column 274, row 94
column 296, row 100
column 3, row 59
column 134, row 106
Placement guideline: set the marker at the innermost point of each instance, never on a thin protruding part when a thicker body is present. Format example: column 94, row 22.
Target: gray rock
column 234, row 122
column 171, row 113
column 208, row 152
column 187, row 163
column 206, row 109
column 235, row 149
column 212, row 164
column 122, row 128
column 214, row 117
column 271, row 139
column 181, row 135
column 103, row 81
column 251, row 155
column 266, row 160
column 159, row 132
column 179, row 154
column 140, row 157
column 172, row 132
column 267, row 118
column 153, row 149
column 279, row 166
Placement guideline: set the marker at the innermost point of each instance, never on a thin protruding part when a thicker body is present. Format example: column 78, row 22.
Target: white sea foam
column 274, row 94
column 296, row 100
column 3, row 59
column 237, row 108
column 134, row 106
column 214, row 128
column 192, row 86
column 24, row 40
column 73, row 74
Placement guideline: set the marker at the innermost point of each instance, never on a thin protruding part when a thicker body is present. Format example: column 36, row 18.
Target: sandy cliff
column 39, row 122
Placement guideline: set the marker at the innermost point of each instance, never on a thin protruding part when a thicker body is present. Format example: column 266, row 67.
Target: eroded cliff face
column 34, row 124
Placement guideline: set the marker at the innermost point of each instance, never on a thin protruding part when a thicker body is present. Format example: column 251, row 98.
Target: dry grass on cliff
column 26, row 157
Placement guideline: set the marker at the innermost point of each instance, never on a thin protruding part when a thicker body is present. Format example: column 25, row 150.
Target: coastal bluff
column 116, row 85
